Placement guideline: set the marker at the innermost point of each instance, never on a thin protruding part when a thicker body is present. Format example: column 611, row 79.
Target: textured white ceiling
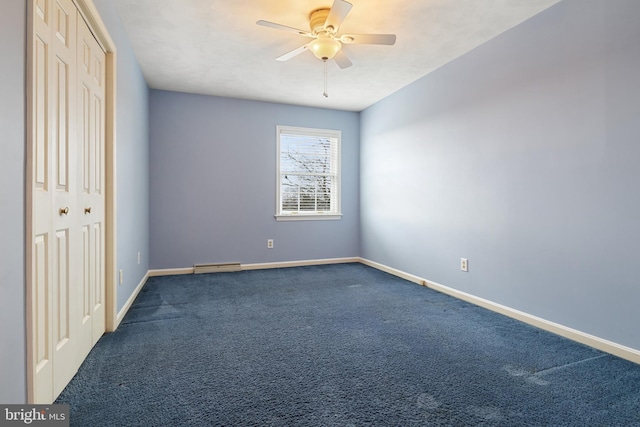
column 214, row 47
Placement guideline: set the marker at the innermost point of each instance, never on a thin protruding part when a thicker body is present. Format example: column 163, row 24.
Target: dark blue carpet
column 338, row 345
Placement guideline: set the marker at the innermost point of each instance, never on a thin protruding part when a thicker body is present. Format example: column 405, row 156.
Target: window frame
column 333, row 214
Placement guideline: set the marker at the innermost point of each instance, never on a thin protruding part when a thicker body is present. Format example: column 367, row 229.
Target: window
column 308, row 174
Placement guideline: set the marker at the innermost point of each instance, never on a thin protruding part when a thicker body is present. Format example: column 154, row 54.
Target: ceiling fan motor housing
column 317, row 18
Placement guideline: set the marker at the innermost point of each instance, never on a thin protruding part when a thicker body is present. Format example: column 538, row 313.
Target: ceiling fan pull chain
column 325, row 94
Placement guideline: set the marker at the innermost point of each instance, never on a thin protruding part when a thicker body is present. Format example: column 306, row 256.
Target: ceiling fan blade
column 385, row 39
column 342, row 60
column 293, row 53
column 338, row 12
column 284, row 28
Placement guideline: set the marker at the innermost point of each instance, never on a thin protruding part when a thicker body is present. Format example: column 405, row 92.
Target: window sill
column 298, row 217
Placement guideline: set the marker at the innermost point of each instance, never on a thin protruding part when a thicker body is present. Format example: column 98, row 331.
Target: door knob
column 64, row 211
column 87, row 210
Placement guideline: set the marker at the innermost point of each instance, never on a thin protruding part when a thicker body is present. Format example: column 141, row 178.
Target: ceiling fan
column 327, row 44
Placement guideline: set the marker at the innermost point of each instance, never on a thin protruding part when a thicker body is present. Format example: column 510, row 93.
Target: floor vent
column 216, row 268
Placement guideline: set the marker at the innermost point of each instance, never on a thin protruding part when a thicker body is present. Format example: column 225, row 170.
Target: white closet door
column 67, row 175
column 91, row 144
column 55, row 233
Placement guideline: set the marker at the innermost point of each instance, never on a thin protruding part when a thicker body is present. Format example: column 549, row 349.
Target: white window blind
column 308, row 173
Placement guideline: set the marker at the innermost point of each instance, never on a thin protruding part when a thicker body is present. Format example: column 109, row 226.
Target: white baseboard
column 395, row 272
column 170, row 271
column 267, row 265
column 616, row 349
column 132, row 298
column 259, row 266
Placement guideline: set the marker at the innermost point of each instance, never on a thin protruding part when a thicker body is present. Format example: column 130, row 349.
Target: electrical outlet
column 121, row 274
column 464, row 264
column 270, row 243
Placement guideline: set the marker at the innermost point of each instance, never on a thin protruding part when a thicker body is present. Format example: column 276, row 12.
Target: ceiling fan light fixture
column 325, row 48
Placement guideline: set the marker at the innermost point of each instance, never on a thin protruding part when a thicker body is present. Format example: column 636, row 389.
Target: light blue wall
column 132, row 157
column 213, row 183
column 522, row 156
column 12, row 201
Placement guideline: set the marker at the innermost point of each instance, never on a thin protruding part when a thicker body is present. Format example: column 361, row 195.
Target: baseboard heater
column 216, row 268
